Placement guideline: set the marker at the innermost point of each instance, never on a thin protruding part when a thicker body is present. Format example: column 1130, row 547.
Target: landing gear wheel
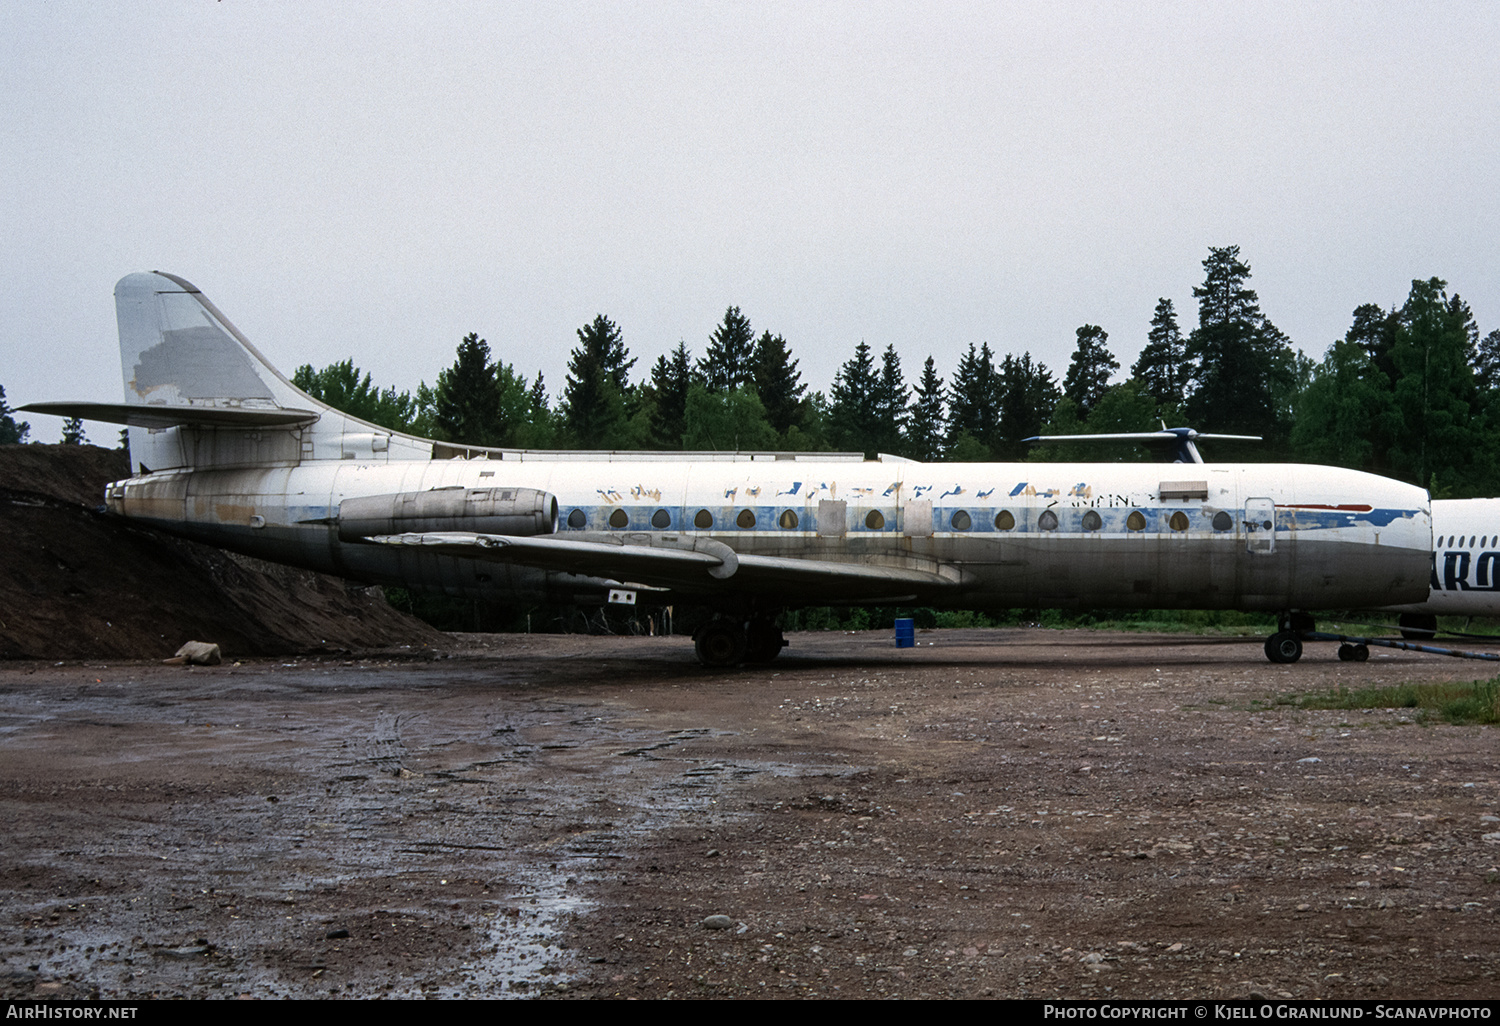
column 720, row 643
column 1361, row 653
column 1283, row 647
column 1354, row 653
column 763, row 641
column 1418, row 626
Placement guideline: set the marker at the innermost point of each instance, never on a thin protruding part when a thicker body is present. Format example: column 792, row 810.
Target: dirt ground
column 1009, row 813
column 75, row 583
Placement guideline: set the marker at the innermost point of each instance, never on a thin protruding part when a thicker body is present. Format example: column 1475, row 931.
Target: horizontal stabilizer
column 160, row 415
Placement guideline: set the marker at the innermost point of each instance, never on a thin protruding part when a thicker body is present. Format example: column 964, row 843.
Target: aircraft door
column 1260, row 526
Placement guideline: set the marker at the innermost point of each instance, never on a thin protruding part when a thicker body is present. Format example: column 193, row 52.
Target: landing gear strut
column 1418, row 626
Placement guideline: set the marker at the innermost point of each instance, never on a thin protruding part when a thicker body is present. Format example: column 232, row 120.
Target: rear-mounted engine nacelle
column 519, row 512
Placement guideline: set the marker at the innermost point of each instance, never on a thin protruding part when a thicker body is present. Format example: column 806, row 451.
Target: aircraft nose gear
column 1283, row 647
column 1354, row 653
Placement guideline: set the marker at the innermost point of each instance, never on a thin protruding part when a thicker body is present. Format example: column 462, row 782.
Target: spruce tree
column 1161, row 368
column 593, row 405
column 72, row 432
column 777, row 381
column 974, row 400
column 891, row 405
column 925, row 429
column 1028, row 395
column 670, row 381
column 729, row 361
column 854, row 403
column 11, row 432
column 466, row 403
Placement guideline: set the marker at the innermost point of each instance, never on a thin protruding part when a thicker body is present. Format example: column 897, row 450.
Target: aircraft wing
column 686, row 564
column 160, row 415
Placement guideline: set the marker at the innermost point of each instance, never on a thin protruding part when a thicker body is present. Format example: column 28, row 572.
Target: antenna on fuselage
column 1169, row 445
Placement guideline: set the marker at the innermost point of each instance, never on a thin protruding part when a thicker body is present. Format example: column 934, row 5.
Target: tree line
column 1411, row 391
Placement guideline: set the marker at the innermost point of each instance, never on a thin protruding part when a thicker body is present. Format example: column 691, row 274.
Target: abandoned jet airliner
column 227, row 451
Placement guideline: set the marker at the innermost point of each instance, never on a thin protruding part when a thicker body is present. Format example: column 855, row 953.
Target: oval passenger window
column 618, row 519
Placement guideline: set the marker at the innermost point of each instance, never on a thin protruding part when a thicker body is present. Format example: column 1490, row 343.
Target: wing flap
column 693, row 564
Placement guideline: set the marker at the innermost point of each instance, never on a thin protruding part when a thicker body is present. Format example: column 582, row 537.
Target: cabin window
column 704, row 520
column 1471, row 541
column 618, row 519
column 788, row 519
column 961, row 521
column 661, row 520
column 1135, row 522
column 746, row 519
column 578, row 519
column 1004, row 521
column 1092, row 521
column 1179, row 521
column 1223, row 521
column 1047, row 521
column 874, row 520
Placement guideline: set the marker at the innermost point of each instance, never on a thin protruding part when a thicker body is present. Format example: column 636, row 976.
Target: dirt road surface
column 1010, row 813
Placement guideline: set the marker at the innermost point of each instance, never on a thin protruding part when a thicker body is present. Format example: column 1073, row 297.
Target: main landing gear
column 725, row 641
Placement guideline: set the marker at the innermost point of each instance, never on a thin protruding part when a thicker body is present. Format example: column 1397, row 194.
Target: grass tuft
column 1456, row 702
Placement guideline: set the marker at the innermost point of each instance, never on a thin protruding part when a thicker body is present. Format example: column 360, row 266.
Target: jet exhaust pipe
column 519, row 512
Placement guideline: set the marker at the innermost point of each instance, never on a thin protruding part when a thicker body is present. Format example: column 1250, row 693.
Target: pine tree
column 1162, row 366
column 1242, row 364
column 925, row 430
column 72, row 432
column 730, row 359
column 777, row 382
column 593, row 405
column 1089, row 372
column 11, row 432
column 853, row 408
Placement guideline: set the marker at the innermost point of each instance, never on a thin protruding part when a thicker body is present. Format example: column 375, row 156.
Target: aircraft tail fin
column 198, row 394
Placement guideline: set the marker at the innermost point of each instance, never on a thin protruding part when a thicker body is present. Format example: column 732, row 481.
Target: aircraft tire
column 763, row 641
column 1283, row 647
column 1418, row 626
column 1346, row 653
column 1361, row 653
column 720, row 643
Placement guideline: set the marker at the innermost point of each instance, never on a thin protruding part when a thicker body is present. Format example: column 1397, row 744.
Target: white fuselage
column 1465, row 578
column 1257, row 536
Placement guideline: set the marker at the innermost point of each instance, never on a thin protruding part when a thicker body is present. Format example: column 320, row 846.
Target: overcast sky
column 377, row 180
